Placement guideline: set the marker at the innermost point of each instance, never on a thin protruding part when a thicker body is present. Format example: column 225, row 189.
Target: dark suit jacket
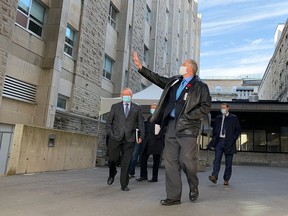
column 232, row 132
column 153, row 144
column 118, row 125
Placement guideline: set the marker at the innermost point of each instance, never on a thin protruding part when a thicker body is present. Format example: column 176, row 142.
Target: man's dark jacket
column 193, row 104
column 153, row 144
column 118, row 125
column 232, row 132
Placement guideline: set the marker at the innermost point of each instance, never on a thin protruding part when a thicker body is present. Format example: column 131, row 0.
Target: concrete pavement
column 253, row 191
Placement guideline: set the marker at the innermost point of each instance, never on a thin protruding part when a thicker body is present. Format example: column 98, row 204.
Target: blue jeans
column 134, row 158
column 219, row 150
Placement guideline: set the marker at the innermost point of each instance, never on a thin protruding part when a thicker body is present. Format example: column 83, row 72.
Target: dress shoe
column 123, row 188
column 226, row 182
column 141, row 179
column 213, row 179
column 193, row 195
column 169, row 202
column 110, row 179
column 153, row 180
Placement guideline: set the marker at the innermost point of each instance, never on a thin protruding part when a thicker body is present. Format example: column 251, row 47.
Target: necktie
column 126, row 109
column 180, row 88
column 222, row 133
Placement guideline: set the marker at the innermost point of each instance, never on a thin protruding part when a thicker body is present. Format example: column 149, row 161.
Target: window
column 107, row 68
column 148, row 14
column 218, row 89
column 112, row 16
column 145, row 59
column 62, row 102
column 234, row 89
column 273, row 144
column 284, row 139
column 30, row 15
column 69, row 41
column 246, row 141
column 260, row 141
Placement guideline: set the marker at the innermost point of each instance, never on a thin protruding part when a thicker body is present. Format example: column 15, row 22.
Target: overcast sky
column 237, row 36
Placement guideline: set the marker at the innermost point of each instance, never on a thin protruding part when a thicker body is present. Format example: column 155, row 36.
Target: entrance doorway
column 6, row 132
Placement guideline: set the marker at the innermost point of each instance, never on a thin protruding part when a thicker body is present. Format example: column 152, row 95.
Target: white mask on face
column 182, row 70
column 223, row 111
column 152, row 111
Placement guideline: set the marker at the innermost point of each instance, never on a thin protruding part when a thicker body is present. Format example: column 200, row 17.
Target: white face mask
column 152, row 111
column 182, row 70
column 223, row 111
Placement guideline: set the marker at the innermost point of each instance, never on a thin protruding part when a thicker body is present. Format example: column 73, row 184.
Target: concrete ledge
column 31, row 152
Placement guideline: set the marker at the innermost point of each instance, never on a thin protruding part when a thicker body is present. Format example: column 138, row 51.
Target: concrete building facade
column 232, row 89
column 274, row 85
column 58, row 57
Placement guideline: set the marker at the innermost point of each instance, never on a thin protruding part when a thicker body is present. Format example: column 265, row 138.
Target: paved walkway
column 254, row 191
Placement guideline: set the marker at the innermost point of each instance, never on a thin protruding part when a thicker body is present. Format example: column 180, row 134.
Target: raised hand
column 136, row 61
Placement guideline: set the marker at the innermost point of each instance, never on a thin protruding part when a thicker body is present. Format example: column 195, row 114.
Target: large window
column 112, row 16
column 107, row 68
column 69, row 41
column 30, row 15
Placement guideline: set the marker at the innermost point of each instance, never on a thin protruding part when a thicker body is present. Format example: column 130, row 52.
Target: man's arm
column 109, row 120
column 151, row 76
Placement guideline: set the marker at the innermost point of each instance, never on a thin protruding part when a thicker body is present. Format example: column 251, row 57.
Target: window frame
column 68, row 44
column 105, row 71
column 60, row 96
column 111, row 20
column 29, row 18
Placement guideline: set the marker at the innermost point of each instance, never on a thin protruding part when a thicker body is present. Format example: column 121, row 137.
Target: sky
column 237, row 36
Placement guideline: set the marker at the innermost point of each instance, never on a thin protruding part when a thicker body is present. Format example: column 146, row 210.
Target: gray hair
column 193, row 64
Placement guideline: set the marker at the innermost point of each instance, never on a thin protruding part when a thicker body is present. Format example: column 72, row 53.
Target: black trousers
column 126, row 149
column 156, row 164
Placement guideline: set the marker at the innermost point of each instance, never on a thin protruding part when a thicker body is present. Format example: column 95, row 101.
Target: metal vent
column 19, row 90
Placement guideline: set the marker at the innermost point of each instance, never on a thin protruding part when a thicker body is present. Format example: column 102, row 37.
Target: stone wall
column 274, row 84
column 90, row 58
column 7, row 19
column 137, row 43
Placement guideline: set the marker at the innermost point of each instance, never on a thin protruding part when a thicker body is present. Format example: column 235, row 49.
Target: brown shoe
column 226, row 182
column 213, row 179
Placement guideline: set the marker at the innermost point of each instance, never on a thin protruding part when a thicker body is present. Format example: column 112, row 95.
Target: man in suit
column 152, row 145
column 184, row 102
column 123, row 120
column 226, row 131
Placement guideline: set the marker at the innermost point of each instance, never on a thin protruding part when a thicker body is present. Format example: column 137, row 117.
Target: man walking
column 152, row 145
column 226, row 131
column 183, row 103
column 123, row 121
